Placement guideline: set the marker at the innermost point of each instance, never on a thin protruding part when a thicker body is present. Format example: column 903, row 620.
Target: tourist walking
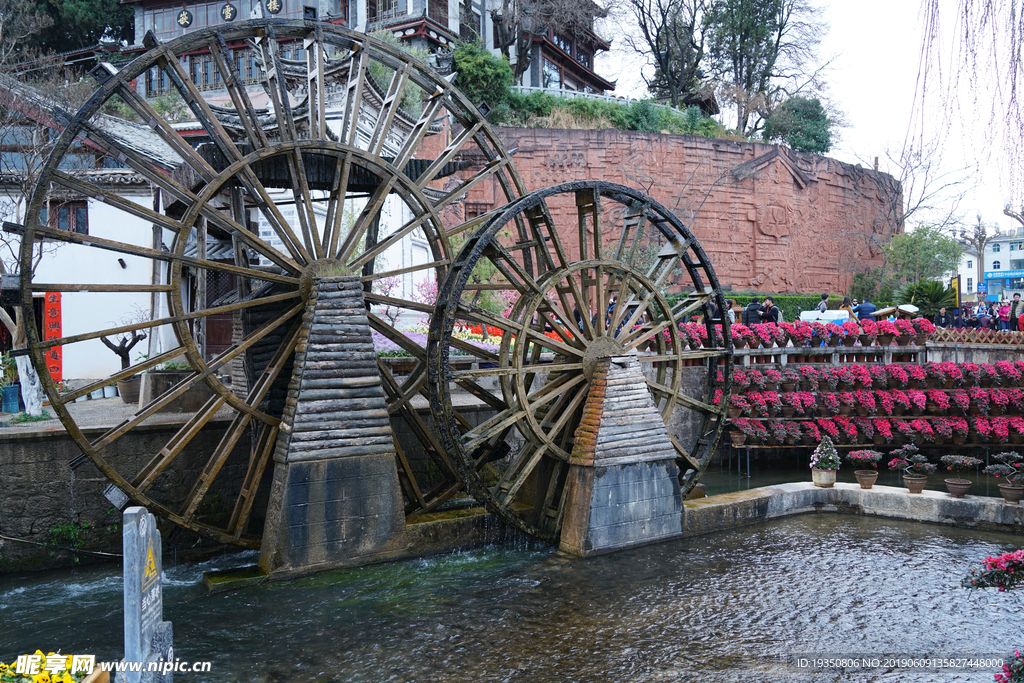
column 823, row 304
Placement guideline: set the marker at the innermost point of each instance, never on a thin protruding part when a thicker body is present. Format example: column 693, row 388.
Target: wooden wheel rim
column 467, row 445
column 439, row 96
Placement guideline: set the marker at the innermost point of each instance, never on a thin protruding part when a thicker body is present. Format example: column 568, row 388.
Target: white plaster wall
column 91, row 311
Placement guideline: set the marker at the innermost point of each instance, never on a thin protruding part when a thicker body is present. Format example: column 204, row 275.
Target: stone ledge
column 742, row 508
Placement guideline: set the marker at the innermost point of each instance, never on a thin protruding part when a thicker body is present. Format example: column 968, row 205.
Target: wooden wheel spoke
column 477, row 314
column 336, row 204
column 507, row 371
column 146, row 252
column 638, row 337
column 511, row 270
column 370, row 211
column 144, row 479
column 304, row 203
column 276, row 86
column 268, row 208
column 227, row 308
column 519, row 473
column 193, row 379
column 465, row 186
column 254, row 474
column 683, row 453
column 197, row 103
column 555, row 389
column 402, row 271
column 691, row 303
column 684, row 399
column 567, row 413
column 160, row 126
column 88, row 189
column 483, row 354
column 633, row 224
column 568, row 333
column 250, row 239
column 214, row 464
column 419, row 130
column 243, row 105
column 62, row 287
column 390, row 106
column 484, row 431
column 354, row 93
column 139, row 367
column 448, row 154
column 395, row 335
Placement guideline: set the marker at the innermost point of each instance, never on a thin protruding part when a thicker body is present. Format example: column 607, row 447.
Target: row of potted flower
column 825, row 462
column 865, row 402
column 879, row 430
column 810, row 333
column 893, row 376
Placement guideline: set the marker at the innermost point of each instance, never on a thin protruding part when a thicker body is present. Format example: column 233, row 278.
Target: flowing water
column 733, row 606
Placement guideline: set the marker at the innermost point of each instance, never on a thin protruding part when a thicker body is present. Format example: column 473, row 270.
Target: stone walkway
column 110, row 412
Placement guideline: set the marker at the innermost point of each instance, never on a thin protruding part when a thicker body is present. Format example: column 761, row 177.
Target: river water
column 733, row 606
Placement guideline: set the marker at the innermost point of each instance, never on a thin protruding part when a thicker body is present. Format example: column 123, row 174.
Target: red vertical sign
column 52, row 330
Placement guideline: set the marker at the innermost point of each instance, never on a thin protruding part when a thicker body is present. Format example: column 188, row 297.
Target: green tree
column 671, row 34
column 760, row 51
column 482, row 76
column 801, row 123
column 81, row 23
column 926, row 253
column 927, row 295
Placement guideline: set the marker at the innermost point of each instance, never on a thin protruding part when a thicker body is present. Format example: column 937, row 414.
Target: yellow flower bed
column 52, row 668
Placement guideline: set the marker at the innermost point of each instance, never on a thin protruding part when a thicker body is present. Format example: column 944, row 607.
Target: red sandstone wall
column 783, row 222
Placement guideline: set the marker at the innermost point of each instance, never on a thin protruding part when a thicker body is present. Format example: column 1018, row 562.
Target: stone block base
column 619, row 506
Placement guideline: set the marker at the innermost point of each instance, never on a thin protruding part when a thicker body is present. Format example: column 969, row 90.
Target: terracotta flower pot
column 866, row 478
column 885, row 339
column 738, row 438
column 915, row 483
column 903, row 339
column 826, row 479
column 920, row 339
column 788, row 411
column 878, row 439
column 959, row 440
column 1011, row 494
column 958, row 487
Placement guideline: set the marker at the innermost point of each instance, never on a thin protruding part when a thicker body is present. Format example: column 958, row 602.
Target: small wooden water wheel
column 318, row 133
column 587, row 281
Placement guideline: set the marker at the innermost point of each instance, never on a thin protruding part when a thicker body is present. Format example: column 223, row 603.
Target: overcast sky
column 873, row 81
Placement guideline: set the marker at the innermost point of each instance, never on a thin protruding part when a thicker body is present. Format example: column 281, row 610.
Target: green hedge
column 790, row 304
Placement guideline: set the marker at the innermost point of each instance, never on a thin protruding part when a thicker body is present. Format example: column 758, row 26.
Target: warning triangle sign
column 150, row 572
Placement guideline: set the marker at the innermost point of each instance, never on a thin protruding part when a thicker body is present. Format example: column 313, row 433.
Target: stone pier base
column 335, row 499
column 623, row 487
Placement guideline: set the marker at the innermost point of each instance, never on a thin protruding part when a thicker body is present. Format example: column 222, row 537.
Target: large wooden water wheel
column 319, row 132
column 585, row 282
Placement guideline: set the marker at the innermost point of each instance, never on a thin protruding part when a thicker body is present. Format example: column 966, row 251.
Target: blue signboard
column 1000, row 274
column 982, row 287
